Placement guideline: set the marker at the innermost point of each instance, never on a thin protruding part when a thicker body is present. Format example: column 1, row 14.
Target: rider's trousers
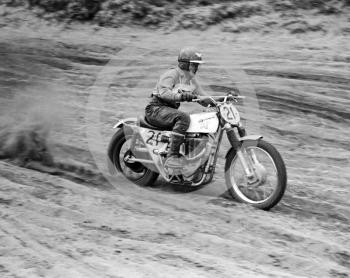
column 167, row 117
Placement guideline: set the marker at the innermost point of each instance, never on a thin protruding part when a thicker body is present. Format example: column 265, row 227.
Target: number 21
column 230, row 114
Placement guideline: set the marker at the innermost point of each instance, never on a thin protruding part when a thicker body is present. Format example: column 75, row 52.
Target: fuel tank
column 206, row 122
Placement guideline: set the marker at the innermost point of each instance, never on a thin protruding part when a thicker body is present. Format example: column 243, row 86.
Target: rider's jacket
column 164, row 93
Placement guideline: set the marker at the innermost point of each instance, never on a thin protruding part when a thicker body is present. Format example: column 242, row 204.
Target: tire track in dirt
column 67, row 266
column 103, row 228
column 29, row 229
column 301, row 76
column 137, row 237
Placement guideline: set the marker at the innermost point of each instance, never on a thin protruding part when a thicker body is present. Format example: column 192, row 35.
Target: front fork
column 236, row 145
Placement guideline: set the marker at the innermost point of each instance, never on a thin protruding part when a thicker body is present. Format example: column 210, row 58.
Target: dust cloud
column 26, row 125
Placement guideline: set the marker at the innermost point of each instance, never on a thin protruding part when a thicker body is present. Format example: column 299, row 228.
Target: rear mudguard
column 249, row 138
column 114, row 139
column 125, row 121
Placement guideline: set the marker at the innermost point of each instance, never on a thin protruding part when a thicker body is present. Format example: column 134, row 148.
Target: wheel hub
column 136, row 167
column 259, row 176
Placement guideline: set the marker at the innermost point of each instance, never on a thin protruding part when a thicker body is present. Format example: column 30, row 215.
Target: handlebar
column 216, row 99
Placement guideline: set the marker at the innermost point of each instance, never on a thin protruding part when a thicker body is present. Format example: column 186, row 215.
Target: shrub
column 76, row 9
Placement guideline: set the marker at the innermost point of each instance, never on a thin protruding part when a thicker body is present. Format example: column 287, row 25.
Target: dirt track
column 76, row 224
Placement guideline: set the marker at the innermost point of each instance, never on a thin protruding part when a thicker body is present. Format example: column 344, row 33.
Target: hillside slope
column 71, row 222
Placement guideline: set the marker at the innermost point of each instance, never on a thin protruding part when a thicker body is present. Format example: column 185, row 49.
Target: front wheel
column 265, row 185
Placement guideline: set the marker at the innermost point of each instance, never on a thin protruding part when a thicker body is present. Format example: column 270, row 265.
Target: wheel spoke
column 256, row 195
column 264, row 193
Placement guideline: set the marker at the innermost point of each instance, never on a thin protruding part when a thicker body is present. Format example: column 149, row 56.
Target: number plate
column 153, row 138
column 229, row 113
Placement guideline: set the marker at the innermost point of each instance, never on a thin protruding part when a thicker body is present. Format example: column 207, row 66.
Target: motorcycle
column 255, row 172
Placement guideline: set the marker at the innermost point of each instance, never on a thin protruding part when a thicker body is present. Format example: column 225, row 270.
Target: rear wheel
column 265, row 188
column 118, row 151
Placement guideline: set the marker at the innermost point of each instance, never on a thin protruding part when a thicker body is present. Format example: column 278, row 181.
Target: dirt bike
column 254, row 170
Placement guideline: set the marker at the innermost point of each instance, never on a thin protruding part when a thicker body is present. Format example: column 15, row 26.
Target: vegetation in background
column 185, row 14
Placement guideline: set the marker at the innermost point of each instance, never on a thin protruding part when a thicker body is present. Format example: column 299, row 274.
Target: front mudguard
column 249, row 140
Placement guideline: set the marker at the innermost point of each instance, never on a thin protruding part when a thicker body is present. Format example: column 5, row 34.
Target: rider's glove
column 187, row 96
column 206, row 102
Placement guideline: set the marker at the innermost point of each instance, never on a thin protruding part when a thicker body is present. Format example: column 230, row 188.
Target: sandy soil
column 73, row 222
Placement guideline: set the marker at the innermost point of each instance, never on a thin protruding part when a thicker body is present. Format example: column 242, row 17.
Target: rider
column 175, row 86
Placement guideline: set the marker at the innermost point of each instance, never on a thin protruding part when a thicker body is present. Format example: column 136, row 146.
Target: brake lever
column 235, row 98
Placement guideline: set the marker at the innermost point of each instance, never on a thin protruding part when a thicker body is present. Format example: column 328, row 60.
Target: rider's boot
column 175, row 160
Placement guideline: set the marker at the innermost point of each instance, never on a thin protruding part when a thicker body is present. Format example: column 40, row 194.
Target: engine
column 196, row 149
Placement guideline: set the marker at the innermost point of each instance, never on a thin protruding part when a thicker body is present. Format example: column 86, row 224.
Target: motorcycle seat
column 144, row 123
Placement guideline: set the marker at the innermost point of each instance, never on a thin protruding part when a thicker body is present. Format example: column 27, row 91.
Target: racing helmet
column 189, row 55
